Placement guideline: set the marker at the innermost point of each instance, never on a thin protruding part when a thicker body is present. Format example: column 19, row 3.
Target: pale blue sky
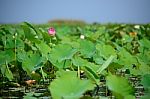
column 103, row 11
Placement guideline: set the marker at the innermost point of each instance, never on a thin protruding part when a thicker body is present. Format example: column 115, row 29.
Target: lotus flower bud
column 82, row 36
column 51, row 31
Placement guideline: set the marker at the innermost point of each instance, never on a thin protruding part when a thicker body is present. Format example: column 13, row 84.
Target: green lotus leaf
column 119, row 85
column 69, row 86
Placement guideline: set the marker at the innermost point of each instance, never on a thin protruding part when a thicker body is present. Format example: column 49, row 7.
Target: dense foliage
column 76, row 57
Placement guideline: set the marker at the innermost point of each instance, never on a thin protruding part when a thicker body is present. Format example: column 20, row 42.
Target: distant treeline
column 67, row 21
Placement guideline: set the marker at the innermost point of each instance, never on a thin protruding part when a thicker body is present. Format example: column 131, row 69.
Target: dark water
column 10, row 90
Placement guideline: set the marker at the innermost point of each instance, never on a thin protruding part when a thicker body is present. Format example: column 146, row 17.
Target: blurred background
column 101, row 11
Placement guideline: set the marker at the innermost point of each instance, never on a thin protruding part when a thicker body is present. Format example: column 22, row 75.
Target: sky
column 102, row 11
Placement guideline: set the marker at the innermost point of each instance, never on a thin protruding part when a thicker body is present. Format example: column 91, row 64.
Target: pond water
column 11, row 90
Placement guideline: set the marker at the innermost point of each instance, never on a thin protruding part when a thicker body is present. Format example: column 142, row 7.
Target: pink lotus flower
column 51, row 31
